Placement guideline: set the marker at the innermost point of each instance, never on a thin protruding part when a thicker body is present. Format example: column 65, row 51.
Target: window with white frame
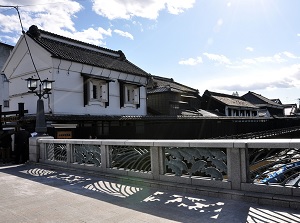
column 97, row 91
column 129, row 95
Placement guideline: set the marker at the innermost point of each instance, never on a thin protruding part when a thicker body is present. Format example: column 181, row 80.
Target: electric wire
column 23, row 32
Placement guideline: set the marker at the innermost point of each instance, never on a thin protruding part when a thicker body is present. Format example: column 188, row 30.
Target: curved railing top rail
column 215, row 143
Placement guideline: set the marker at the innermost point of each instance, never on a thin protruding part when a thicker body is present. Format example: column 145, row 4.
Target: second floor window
column 129, row 95
column 98, row 90
column 132, row 94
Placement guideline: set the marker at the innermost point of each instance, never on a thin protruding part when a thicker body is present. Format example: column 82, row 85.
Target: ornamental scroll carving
column 196, row 162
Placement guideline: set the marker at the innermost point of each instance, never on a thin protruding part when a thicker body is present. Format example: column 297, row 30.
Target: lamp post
column 43, row 91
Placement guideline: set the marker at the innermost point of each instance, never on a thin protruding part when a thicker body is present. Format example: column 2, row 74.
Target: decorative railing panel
column 87, row 154
column 56, row 152
column 196, row 162
column 136, row 158
column 275, row 166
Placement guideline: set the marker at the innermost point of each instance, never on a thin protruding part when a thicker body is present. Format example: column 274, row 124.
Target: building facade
column 167, row 97
column 228, row 105
column 267, row 107
column 4, row 83
column 88, row 80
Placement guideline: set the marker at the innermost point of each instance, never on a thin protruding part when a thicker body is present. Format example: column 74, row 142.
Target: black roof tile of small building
column 234, row 102
column 265, row 100
column 230, row 100
column 77, row 51
column 162, row 84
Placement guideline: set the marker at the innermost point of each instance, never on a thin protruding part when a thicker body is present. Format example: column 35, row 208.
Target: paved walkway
column 35, row 193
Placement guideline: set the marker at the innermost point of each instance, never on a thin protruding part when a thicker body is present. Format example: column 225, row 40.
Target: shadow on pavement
column 171, row 205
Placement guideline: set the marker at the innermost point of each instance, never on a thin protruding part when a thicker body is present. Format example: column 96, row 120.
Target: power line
column 23, row 32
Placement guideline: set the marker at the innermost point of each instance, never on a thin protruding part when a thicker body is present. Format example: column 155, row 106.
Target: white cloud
column 249, row 61
column 290, row 55
column 286, row 77
column 221, row 59
column 10, row 39
column 126, row 9
column 277, row 58
column 125, row 34
column 91, row 35
column 45, row 14
column 191, row 61
column 50, row 16
column 178, row 6
column 249, row 49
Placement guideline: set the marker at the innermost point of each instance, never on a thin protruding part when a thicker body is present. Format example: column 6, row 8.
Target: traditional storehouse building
column 88, row 80
column 5, row 50
column 228, row 105
column 167, row 97
column 267, row 107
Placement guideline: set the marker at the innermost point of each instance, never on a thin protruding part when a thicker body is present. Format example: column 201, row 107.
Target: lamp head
column 47, row 85
column 32, row 83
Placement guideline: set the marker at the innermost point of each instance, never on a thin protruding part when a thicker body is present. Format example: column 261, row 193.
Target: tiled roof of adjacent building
column 234, row 102
column 263, row 100
column 162, row 84
column 77, row 51
column 230, row 100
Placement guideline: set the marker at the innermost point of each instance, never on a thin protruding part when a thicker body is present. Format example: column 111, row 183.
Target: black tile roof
column 265, row 101
column 234, row 102
column 162, row 84
column 230, row 100
column 77, row 51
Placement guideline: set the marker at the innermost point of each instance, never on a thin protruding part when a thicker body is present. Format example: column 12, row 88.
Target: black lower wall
column 185, row 129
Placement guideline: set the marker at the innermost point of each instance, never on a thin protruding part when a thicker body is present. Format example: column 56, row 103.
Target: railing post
column 42, row 151
column 0, row 117
column 34, row 148
column 105, row 157
column 237, row 164
column 158, row 166
column 69, row 155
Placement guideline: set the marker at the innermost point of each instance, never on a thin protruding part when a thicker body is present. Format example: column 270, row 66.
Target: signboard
column 64, row 134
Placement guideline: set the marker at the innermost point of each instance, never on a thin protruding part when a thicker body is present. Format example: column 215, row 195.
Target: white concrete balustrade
column 235, row 183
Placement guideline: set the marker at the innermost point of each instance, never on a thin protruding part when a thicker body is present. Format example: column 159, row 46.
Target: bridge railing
column 223, row 165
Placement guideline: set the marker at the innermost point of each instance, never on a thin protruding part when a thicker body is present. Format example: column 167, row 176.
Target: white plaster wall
column 19, row 67
column 68, row 91
column 3, row 92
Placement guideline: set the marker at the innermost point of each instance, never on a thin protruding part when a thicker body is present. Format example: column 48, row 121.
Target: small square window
column 6, row 103
column 97, row 92
column 132, row 94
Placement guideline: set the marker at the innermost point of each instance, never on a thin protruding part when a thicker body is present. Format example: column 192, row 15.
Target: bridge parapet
column 224, row 168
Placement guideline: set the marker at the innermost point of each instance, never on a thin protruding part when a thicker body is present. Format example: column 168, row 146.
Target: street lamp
column 43, row 91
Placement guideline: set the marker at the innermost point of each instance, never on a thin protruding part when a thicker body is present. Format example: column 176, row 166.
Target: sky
column 223, row 46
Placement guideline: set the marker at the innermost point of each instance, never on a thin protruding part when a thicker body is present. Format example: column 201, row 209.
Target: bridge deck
column 37, row 193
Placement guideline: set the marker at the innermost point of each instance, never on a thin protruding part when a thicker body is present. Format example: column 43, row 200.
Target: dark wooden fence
column 11, row 118
column 193, row 128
